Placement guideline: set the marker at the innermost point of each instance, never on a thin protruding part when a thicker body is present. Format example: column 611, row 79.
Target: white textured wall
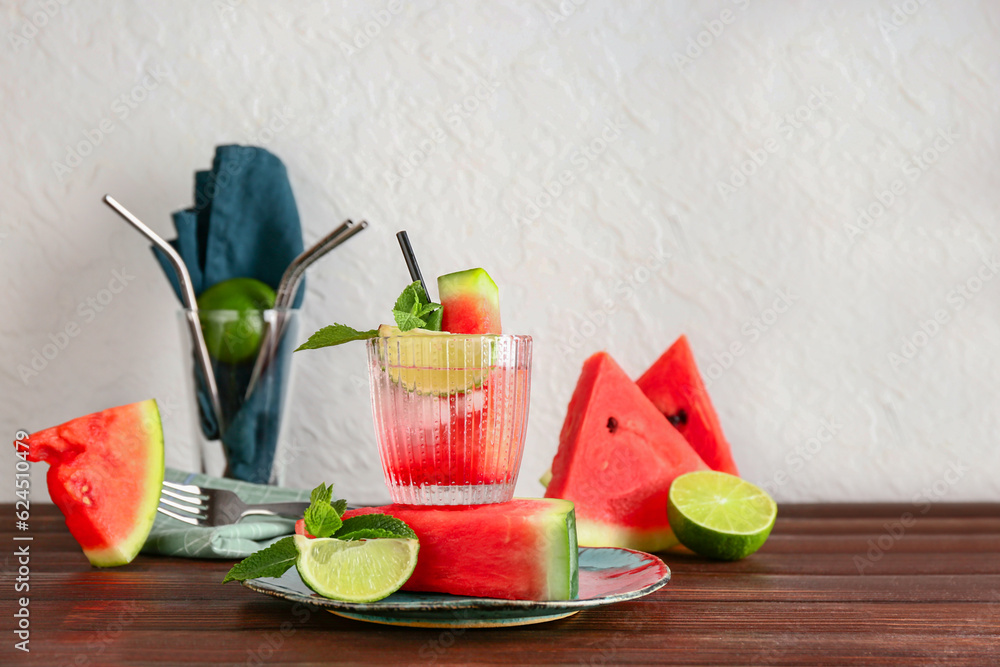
column 837, row 101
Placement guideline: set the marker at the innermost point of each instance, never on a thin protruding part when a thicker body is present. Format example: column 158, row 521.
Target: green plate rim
column 453, row 602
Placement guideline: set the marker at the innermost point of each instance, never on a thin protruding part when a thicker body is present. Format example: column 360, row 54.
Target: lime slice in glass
column 718, row 515
column 355, row 571
column 434, row 362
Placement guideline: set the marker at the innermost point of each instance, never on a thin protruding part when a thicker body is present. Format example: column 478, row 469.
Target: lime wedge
column 434, row 362
column 355, row 571
column 718, row 515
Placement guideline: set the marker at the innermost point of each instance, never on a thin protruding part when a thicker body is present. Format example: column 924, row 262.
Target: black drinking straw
column 411, row 261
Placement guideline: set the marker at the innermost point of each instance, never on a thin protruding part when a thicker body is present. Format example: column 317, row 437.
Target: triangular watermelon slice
column 105, row 474
column 675, row 387
column 617, row 458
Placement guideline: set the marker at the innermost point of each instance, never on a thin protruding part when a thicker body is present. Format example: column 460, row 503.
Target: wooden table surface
column 835, row 584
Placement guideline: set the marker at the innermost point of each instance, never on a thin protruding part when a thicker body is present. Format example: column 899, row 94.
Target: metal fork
column 217, row 507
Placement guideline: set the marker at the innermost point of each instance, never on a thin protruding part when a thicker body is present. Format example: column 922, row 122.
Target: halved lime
column 434, row 362
column 718, row 515
column 355, row 571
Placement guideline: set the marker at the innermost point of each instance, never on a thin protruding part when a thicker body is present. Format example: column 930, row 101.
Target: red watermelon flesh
column 617, row 458
column 105, row 474
column 676, row 388
column 524, row 549
column 470, row 303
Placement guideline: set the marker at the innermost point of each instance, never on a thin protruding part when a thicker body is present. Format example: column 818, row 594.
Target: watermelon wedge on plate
column 616, row 460
column 524, row 549
column 676, row 388
column 105, row 474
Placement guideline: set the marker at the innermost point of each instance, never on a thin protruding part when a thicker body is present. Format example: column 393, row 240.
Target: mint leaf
column 428, row 309
column 321, row 494
column 434, row 318
column 335, row 334
column 406, row 321
column 412, row 294
column 322, row 519
column 367, row 534
column 372, row 526
column 414, row 310
column 273, row 561
column 340, row 506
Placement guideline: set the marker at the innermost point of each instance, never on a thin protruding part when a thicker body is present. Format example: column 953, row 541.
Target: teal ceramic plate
column 607, row 575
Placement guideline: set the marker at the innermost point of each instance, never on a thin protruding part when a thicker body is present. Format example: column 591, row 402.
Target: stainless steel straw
column 287, row 289
column 189, row 299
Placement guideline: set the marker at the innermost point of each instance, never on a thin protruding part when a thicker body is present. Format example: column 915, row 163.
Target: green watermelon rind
column 564, row 552
column 128, row 548
column 593, row 533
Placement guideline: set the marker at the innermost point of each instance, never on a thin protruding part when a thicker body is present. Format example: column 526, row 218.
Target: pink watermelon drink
column 449, row 392
column 450, row 412
column 451, row 406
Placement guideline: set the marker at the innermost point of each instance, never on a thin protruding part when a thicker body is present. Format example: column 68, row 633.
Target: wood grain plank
column 932, row 596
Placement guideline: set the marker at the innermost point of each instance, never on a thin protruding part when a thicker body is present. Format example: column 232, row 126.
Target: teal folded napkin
column 170, row 537
column 244, row 224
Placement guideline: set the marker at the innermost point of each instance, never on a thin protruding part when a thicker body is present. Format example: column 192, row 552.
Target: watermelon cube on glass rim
column 676, row 388
column 470, row 302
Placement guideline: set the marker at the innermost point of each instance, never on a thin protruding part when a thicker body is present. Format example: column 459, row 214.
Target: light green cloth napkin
column 171, row 537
